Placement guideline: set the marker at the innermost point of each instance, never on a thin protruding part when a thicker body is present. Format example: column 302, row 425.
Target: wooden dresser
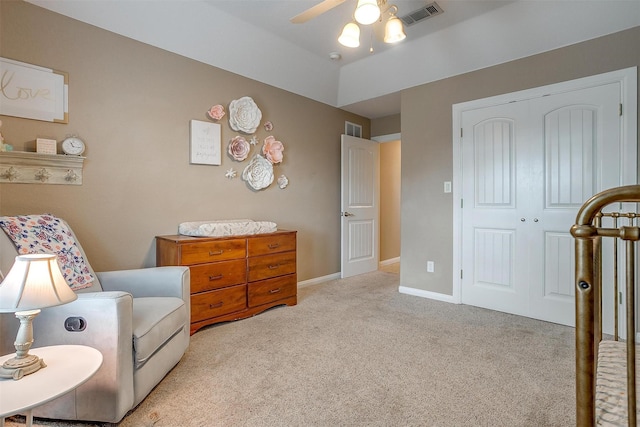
column 234, row 277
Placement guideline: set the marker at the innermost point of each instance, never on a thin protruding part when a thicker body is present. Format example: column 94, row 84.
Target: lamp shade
column 394, row 31
column 34, row 281
column 350, row 36
column 367, row 12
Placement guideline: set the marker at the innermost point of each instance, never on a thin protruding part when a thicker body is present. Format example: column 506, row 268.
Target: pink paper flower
column 239, row 148
column 216, row 112
column 273, row 149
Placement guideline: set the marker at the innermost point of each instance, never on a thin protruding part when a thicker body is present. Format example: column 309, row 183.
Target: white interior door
column 526, row 169
column 494, row 239
column 580, row 155
column 359, row 206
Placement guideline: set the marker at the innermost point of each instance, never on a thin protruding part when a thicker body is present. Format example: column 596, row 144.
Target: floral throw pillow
column 32, row 234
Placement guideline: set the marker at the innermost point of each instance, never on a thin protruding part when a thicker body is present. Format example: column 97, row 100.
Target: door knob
column 522, row 220
column 347, row 214
column 535, row 219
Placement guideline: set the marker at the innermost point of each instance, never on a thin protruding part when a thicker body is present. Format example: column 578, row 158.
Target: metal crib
column 606, row 366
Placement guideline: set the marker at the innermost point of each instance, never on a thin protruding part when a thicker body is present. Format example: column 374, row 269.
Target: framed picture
column 33, row 92
column 204, row 147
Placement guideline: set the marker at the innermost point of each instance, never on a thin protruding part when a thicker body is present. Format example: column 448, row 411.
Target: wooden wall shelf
column 19, row 167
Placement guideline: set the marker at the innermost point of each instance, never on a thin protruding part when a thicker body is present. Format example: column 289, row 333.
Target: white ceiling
column 320, row 35
column 254, row 38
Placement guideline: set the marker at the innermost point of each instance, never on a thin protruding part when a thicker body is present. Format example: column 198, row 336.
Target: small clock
column 73, row 146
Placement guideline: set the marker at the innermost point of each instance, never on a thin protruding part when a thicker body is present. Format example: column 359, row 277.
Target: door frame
column 628, row 84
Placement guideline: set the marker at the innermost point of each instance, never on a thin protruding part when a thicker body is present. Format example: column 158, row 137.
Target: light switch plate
column 430, row 267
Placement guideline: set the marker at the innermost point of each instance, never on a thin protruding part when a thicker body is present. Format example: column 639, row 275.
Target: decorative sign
column 205, row 143
column 33, row 92
column 46, row 146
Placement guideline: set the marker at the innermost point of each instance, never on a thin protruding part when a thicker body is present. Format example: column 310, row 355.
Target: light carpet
column 355, row 352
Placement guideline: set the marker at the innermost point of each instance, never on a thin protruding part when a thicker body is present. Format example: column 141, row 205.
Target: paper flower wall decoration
column 216, row 112
column 258, row 173
column 239, row 148
column 244, row 115
column 273, row 149
column 283, row 181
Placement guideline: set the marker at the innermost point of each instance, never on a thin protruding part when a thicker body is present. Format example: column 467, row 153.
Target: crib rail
column 592, row 225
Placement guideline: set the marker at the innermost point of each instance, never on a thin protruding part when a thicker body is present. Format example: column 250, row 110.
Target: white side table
column 68, row 366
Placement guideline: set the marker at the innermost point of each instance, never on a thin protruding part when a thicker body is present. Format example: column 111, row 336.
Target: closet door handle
column 535, row 219
column 522, row 220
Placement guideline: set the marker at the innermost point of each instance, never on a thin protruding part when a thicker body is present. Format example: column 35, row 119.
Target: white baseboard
column 390, row 261
column 318, row 280
column 426, row 294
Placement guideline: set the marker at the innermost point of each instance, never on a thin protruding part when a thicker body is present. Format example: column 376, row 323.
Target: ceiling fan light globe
column 394, row 31
column 350, row 36
column 367, row 12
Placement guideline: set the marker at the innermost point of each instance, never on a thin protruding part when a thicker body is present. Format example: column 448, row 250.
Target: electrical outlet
column 430, row 267
column 447, row 186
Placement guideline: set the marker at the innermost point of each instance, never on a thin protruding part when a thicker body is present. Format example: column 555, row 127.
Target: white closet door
column 527, row 167
column 579, row 146
column 494, row 239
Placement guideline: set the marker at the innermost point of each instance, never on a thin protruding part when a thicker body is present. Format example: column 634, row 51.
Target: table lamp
column 34, row 282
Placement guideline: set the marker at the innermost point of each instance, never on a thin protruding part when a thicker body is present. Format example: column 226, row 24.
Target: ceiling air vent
column 421, row 14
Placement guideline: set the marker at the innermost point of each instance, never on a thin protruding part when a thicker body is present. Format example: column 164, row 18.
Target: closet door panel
column 494, row 246
column 581, row 152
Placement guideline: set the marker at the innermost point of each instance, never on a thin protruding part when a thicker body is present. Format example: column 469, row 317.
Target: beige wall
column 132, row 104
column 386, row 125
column 427, row 227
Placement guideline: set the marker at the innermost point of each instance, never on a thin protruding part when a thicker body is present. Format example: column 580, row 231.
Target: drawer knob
column 274, row 291
column 273, row 267
column 216, row 305
column 274, row 245
column 214, row 253
column 212, row 278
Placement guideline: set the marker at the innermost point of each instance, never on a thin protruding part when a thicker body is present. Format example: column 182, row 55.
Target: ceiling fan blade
column 316, row 10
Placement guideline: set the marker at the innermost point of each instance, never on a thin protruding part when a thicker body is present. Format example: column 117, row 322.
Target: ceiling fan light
column 350, row 36
column 394, row 31
column 367, row 12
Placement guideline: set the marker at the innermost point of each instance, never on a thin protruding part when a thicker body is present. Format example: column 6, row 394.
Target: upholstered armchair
column 137, row 319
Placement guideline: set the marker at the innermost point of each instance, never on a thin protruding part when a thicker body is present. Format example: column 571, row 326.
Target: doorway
column 390, row 201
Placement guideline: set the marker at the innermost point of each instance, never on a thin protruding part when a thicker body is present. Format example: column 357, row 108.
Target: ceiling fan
column 367, row 12
column 317, row 10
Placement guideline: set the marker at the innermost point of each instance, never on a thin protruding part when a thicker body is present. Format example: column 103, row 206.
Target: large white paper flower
column 258, row 173
column 244, row 115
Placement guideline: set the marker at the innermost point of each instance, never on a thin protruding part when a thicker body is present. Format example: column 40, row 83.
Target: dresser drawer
column 216, row 303
column 212, row 251
column 271, row 244
column 205, row 277
column 269, row 290
column 267, row 266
